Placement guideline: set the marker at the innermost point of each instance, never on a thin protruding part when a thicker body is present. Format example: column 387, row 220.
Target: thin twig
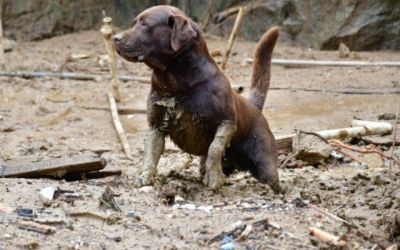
column 232, row 37
column 394, row 135
column 314, row 134
column 118, row 127
column 348, row 155
column 288, row 159
column 364, row 151
column 359, row 228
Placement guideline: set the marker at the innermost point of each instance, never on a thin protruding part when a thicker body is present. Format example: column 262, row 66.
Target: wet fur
column 191, row 101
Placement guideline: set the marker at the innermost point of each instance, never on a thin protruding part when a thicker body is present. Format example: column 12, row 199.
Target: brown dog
column 192, row 102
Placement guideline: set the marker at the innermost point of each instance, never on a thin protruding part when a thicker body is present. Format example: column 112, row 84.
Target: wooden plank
column 54, row 168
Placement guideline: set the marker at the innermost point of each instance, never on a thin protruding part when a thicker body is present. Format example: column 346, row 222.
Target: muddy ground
column 52, row 118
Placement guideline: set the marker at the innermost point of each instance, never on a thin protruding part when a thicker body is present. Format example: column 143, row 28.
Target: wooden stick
column 118, row 127
column 208, row 16
column 359, row 128
column 332, row 216
column 232, row 37
column 316, row 63
column 33, row 226
column 364, row 151
column 107, row 31
column 2, row 60
column 49, row 221
column 326, row 237
column 54, row 168
column 72, row 76
column 221, row 16
column 83, row 213
column 359, row 228
column 121, row 110
column 394, row 135
column 349, row 155
column 146, row 80
column 292, row 156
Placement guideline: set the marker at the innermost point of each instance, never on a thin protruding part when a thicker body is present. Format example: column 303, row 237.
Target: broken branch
column 394, row 135
column 118, row 126
column 364, row 150
column 232, row 37
column 36, row 227
column 107, row 31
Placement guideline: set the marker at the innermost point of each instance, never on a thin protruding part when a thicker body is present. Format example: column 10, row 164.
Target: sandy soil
column 51, row 118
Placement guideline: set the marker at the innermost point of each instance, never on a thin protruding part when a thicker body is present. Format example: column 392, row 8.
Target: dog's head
column 156, row 34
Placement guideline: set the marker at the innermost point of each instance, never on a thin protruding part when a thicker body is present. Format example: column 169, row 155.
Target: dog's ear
column 182, row 31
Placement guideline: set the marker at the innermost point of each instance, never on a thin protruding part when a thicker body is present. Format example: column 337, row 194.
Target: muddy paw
column 145, row 178
column 214, row 179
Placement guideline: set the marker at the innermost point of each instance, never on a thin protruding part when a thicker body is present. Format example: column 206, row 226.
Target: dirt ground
column 51, row 118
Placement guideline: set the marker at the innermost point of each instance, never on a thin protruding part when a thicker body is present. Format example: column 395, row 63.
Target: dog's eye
column 143, row 25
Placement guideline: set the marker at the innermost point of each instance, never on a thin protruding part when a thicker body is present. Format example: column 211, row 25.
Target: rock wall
column 323, row 24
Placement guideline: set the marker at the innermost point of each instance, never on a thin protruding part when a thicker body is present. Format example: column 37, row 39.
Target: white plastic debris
column 46, row 195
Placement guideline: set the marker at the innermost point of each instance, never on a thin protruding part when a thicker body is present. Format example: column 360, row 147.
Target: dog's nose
column 118, row 37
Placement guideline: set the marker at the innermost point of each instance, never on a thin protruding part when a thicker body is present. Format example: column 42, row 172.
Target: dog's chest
column 186, row 129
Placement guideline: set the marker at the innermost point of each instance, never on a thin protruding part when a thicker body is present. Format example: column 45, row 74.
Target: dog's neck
column 188, row 68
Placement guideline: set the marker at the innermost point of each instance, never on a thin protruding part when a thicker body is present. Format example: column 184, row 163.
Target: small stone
column 344, row 51
column 25, row 212
column 387, row 116
column 337, row 155
column 46, row 195
column 146, row 189
column 179, row 199
column 9, row 44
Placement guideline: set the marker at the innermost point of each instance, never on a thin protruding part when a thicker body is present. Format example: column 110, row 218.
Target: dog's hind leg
column 257, row 153
column 154, row 147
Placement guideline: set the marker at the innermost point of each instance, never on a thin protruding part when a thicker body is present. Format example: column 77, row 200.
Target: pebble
column 146, row 189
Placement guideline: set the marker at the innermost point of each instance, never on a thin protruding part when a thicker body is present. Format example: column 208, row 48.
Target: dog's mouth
column 130, row 54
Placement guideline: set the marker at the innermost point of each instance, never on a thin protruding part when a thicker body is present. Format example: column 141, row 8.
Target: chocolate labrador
column 192, row 102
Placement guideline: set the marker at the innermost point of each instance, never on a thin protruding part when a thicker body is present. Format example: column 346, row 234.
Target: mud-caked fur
column 191, row 100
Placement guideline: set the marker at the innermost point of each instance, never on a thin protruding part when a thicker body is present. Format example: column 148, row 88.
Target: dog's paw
column 145, row 178
column 214, row 179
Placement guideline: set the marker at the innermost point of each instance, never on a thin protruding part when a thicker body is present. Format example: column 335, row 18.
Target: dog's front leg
column 214, row 176
column 154, row 147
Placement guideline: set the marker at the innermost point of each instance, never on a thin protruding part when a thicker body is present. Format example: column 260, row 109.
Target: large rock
column 360, row 24
column 38, row 19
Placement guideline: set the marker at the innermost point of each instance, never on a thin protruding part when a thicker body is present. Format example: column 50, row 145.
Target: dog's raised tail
column 262, row 67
